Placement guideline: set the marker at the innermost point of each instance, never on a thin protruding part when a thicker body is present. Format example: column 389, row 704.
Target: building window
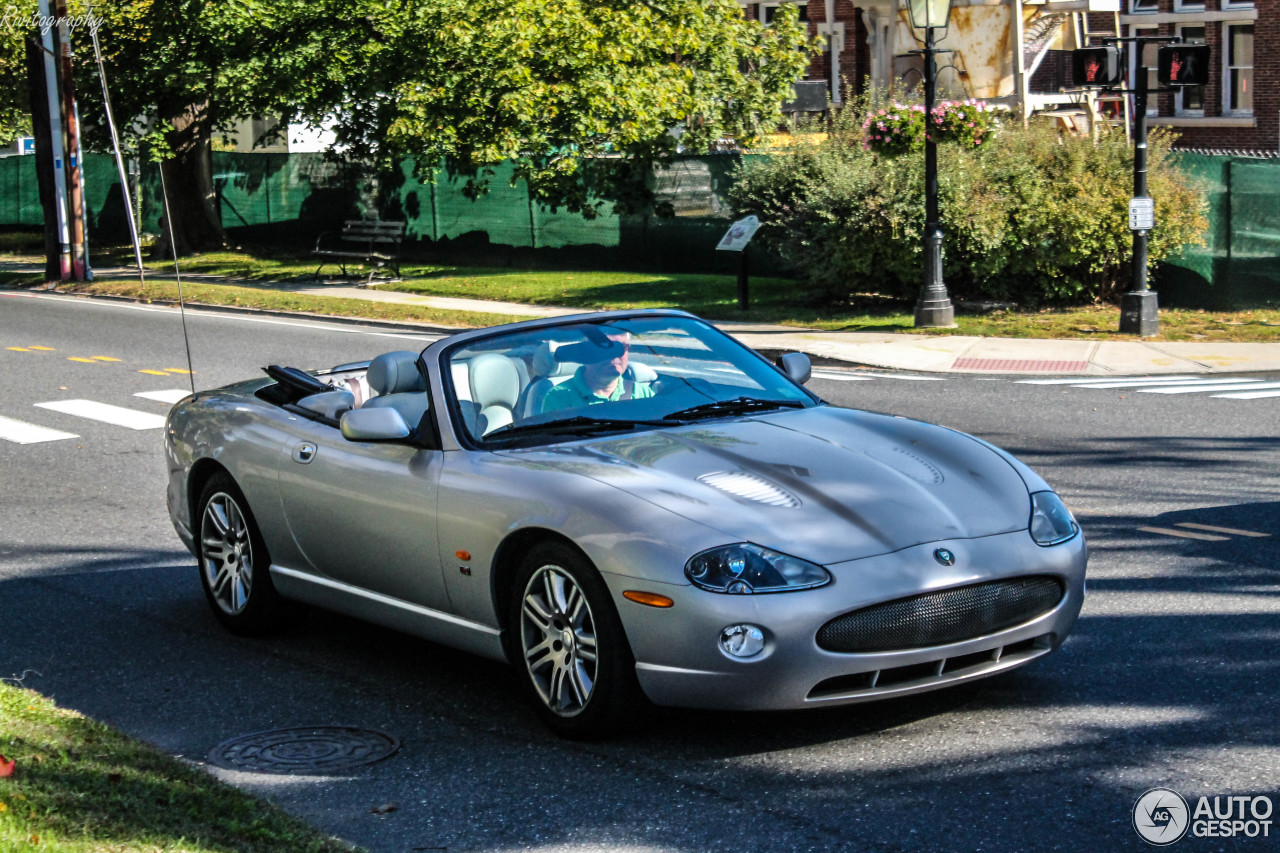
column 768, row 10
column 1189, row 100
column 1237, row 71
column 1237, row 4
column 1144, row 6
column 1188, row 5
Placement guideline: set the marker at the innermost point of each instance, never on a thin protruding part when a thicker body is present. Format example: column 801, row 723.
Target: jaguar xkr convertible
column 626, row 506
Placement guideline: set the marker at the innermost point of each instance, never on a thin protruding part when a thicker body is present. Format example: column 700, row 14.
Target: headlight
column 1051, row 523
column 746, row 568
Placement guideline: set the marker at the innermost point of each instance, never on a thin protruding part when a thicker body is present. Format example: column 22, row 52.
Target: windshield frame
column 453, row 401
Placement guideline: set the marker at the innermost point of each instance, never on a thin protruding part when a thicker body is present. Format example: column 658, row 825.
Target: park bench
column 372, row 241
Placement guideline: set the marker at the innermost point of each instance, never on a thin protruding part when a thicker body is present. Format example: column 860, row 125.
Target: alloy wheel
column 558, row 640
column 227, row 553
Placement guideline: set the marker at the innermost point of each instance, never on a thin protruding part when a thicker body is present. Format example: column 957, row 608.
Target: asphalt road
column 1164, row 682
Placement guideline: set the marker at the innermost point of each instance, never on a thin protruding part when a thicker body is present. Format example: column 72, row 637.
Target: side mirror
column 797, row 366
column 382, row 424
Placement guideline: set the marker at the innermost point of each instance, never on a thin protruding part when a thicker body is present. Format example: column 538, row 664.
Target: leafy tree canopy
column 557, row 85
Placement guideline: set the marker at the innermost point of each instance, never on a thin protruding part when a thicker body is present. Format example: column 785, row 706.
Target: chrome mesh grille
column 938, row 618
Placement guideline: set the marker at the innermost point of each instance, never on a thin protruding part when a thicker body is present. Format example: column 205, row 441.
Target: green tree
column 15, row 118
column 585, row 94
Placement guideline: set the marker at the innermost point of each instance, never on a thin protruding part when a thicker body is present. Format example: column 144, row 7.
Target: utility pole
column 71, row 117
column 55, row 142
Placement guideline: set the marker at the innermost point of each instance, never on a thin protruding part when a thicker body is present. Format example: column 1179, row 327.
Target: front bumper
column 679, row 661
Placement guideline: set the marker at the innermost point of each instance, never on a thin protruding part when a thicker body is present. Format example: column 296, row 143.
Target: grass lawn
column 263, row 282
column 77, row 786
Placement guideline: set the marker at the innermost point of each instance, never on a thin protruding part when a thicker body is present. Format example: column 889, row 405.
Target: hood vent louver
column 749, row 487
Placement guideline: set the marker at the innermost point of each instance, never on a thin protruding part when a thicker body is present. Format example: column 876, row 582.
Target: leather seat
column 495, row 389
column 400, row 386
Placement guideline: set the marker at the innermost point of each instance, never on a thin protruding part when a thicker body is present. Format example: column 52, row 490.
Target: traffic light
column 1183, row 65
column 1097, row 66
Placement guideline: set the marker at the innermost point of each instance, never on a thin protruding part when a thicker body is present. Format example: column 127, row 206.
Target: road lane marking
column 78, row 358
column 19, row 349
column 1156, row 383
column 154, row 372
column 1185, row 534
column 43, row 349
column 1234, row 385
column 20, row 432
column 840, row 377
column 169, row 396
column 1249, row 395
column 1230, row 531
column 177, row 370
column 1087, row 380
column 103, row 358
column 116, row 415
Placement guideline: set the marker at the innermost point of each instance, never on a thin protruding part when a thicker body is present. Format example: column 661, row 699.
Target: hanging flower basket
column 902, row 128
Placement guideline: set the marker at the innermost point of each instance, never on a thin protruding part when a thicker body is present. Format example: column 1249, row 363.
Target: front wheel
column 234, row 561
column 569, row 647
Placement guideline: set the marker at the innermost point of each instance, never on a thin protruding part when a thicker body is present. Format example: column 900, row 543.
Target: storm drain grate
column 304, row 751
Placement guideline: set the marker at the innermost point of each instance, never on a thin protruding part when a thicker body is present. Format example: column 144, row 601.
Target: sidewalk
column 927, row 353
column 902, row 351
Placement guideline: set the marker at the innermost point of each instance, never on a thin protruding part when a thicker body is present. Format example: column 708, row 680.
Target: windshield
column 559, row 383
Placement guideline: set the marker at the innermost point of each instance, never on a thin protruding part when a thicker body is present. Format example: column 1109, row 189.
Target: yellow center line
column 1230, row 531
column 42, row 349
column 1185, row 534
column 78, row 358
column 104, row 358
column 176, row 370
column 154, row 372
column 19, row 349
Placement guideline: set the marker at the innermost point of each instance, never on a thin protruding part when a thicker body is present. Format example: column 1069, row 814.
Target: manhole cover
column 304, row 751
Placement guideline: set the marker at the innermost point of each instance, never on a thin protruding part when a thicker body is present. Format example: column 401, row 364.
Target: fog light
column 742, row 641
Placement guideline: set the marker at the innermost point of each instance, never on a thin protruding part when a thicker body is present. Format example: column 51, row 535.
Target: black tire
column 566, row 642
column 233, row 561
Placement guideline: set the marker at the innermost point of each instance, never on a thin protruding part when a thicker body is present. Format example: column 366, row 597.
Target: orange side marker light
column 652, row 599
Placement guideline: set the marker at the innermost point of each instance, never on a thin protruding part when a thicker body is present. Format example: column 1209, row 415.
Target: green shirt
column 573, row 393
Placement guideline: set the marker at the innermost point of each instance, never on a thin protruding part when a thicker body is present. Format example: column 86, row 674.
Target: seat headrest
column 395, row 373
column 545, row 362
column 494, row 381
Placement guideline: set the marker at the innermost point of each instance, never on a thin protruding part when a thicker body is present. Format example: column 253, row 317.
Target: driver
column 601, row 378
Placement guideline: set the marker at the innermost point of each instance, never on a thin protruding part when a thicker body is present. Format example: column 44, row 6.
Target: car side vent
column 749, row 487
column 938, row 618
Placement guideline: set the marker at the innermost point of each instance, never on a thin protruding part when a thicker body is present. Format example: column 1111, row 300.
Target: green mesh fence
column 1238, row 265
column 292, row 197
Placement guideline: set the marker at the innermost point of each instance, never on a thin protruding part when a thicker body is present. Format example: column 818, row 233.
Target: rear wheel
column 569, row 647
column 234, row 560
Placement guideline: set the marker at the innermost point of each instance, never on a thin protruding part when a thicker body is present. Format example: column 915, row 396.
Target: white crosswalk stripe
column 1249, row 395
column 849, row 376
column 20, row 432
column 169, row 396
column 1237, row 388
column 1234, row 385
column 106, row 413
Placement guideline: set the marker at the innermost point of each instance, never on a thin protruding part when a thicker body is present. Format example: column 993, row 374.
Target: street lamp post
column 933, row 307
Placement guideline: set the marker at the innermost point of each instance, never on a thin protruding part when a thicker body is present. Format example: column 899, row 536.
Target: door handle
column 304, row 453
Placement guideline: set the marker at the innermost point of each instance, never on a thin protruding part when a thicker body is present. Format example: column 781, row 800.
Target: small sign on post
column 735, row 240
column 1142, row 214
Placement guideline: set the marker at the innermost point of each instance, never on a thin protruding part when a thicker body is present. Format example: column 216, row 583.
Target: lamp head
column 929, row 14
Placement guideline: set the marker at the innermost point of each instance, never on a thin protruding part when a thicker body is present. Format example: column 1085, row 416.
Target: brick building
column 1239, row 110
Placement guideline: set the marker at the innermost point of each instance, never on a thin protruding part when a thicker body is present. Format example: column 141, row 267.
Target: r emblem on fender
column 942, row 555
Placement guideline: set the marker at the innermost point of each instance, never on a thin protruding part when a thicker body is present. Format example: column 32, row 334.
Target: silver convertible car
column 627, row 506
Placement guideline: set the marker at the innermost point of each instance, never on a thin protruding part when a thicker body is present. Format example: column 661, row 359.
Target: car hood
column 824, row 484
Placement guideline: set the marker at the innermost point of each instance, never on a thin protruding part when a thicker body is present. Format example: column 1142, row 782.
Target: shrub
column 1029, row 215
